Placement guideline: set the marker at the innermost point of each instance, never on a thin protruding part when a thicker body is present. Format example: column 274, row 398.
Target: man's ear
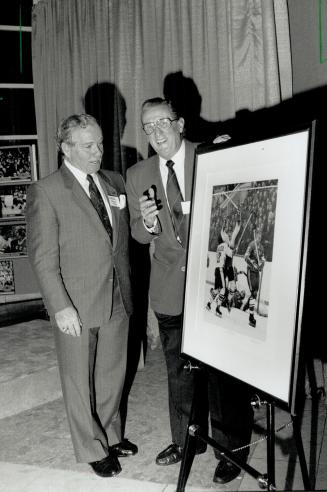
column 181, row 123
column 65, row 147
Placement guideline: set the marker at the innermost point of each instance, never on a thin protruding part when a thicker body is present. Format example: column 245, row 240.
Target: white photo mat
column 265, row 361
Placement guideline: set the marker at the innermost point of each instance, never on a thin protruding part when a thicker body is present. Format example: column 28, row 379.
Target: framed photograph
column 246, row 260
column 7, row 280
column 13, row 239
column 17, row 163
column 12, row 201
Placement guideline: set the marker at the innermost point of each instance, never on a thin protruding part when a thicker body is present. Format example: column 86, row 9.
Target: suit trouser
column 180, row 382
column 92, row 370
column 231, row 413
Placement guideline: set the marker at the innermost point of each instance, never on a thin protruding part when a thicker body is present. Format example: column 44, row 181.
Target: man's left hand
column 68, row 321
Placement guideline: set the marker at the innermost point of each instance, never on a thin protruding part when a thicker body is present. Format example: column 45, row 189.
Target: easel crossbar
column 196, row 431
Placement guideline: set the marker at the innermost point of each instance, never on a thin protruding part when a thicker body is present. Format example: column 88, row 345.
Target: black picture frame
column 12, row 239
column 265, row 356
column 7, row 277
column 12, row 201
column 17, row 163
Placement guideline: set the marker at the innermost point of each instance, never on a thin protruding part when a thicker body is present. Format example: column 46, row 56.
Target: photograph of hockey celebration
column 240, row 255
column 12, row 201
column 15, row 163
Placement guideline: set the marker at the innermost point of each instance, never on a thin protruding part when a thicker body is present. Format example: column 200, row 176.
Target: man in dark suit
column 78, row 234
column 159, row 193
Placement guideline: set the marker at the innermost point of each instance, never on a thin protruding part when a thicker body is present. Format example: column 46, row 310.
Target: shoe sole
column 169, row 463
column 106, row 475
column 125, row 455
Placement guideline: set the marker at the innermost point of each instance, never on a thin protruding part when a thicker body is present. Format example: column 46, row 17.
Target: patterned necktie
column 98, row 203
column 175, row 199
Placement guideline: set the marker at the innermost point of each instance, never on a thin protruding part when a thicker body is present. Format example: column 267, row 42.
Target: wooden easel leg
column 271, row 445
column 187, row 461
column 300, row 450
column 191, row 440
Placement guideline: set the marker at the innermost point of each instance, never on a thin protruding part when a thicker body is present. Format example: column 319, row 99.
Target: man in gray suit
column 159, row 193
column 78, row 235
column 152, row 219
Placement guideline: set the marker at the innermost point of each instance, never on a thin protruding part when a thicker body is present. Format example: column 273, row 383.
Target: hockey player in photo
column 225, row 285
column 218, row 292
column 255, row 260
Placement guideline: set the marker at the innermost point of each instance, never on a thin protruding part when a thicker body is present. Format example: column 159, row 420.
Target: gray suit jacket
column 70, row 250
column 167, row 280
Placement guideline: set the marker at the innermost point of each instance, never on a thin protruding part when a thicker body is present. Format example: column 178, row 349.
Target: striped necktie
column 175, row 198
column 98, row 203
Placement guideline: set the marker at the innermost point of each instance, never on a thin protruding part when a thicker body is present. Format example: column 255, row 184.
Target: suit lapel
column 164, row 214
column 115, row 211
column 82, row 200
column 189, row 169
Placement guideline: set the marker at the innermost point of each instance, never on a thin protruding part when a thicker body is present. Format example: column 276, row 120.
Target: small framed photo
column 12, row 201
column 7, row 280
column 13, row 239
column 247, row 260
column 17, row 163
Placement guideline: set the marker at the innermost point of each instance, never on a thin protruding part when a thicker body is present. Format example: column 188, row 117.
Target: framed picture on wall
column 12, row 239
column 12, row 201
column 246, row 262
column 7, row 280
column 17, row 163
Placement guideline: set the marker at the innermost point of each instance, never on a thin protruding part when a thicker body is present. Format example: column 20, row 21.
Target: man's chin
column 93, row 168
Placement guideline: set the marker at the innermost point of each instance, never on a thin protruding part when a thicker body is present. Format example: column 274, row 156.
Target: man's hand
column 222, row 138
column 148, row 207
column 68, row 321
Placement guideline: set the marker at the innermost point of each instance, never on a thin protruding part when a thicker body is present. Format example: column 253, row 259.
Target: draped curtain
column 211, row 57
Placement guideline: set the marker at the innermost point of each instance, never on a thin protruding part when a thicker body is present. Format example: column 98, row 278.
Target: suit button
column 183, row 268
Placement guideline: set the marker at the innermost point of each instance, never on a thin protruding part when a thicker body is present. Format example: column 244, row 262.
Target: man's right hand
column 68, row 321
column 148, row 207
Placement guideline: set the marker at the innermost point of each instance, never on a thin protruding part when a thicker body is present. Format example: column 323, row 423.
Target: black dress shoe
column 173, row 454
column 124, row 449
column 225, row 472
column 201, row 448
column 169, row 456
column 107, row 467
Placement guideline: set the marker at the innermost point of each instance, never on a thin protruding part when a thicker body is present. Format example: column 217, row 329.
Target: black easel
column 265, row 481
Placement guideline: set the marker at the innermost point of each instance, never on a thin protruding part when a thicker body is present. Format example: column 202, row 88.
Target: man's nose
column 157, row 131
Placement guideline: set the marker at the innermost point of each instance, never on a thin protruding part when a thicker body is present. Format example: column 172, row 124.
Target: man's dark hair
column 159, row 101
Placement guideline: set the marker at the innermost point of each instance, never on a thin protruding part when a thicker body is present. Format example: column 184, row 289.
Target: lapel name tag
column 186, row 207
column 115, row 201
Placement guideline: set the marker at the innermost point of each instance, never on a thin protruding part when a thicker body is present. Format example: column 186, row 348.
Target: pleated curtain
column 106, row 57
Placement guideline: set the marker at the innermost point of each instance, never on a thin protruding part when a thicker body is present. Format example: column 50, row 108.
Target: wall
column 308, row 28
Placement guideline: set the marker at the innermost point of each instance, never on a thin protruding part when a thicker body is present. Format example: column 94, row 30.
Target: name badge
column 186, row 207
column 113, row 201
column 122, row 201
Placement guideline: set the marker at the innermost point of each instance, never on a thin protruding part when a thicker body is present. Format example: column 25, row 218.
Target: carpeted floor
column 40, row 436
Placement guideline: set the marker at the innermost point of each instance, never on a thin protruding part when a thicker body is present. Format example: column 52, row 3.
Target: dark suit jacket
column 70, row 250
column 167, row 280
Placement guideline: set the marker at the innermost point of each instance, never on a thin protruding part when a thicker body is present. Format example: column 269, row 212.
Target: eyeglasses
column 162, row 123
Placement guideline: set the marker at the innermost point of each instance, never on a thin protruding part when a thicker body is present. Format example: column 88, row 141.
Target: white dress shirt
column 178, row 159
column 81, row 177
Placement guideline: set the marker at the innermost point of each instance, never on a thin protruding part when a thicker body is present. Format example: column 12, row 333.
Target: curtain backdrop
column 211, row 57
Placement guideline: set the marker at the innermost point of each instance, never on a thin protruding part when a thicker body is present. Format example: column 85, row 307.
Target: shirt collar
column 78, row 173
column 178, row 158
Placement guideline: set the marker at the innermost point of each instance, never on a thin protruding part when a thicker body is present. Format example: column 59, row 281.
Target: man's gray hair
column 64, row 132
